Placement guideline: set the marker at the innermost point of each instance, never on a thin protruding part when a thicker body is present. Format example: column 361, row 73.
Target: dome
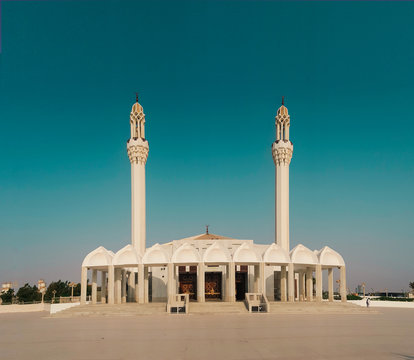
column 282, row 111
column 137, row 108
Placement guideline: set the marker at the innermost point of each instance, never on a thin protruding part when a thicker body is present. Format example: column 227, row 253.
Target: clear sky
column 210, row 76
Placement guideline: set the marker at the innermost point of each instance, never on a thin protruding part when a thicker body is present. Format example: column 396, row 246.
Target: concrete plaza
column 377, row 334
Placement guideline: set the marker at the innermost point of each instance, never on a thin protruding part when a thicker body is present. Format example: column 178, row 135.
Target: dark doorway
column 188, row 281
column 241, row 285
column 213, row 286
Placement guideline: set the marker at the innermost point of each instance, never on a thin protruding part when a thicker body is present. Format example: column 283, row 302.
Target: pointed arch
column 100, row 257
column 300, row 254
column 186, row 254
column 245, row 254
column 216, row 254
column 156, row 255
column 329, row 257
column 275, row 254
column 127, row 256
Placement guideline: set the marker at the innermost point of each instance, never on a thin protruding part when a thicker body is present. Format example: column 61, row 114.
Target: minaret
column 282, row 150
column 137, row 147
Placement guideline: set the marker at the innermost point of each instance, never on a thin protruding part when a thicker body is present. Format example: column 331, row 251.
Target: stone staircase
column 129, row 309
column 325, row 307
column 216, row 307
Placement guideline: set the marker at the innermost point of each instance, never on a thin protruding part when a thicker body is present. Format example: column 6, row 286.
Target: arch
column 98, row 257
column 245, row 254
column 329, row 257
column 300, row 254
column 216, row 254
column 127, row 256
column 186, row 254
column 155, row 255
column 276, row 255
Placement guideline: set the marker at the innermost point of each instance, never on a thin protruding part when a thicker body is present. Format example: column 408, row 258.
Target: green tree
column 7, row 297
column 61, row 287
column 28, row 293
column 412, row 285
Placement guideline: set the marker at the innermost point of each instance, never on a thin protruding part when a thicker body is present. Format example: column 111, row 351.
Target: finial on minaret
column 207, row 229
column 136, row 96
column 283, row 100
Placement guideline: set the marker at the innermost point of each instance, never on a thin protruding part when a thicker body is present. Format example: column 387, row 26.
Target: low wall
column 4, row 309
column 389, row 304
column 54, row 308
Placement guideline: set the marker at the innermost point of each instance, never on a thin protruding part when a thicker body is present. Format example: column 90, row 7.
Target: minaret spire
column 282, row 150
column 137, row 148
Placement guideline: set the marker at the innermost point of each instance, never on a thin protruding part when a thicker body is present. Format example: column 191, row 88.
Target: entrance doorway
column 188, row 281
column 241, row 285
column 213, row 286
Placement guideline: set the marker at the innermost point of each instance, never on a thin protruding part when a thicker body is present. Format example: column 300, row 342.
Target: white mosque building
column 210, row 267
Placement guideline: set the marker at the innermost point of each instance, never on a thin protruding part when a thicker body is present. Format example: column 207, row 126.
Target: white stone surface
column 385, row 304
column 24, row 308
column 54, row 308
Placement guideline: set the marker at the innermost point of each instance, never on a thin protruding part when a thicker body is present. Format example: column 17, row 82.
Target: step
column 131, row 309
column 217, row 307
column 314, row 307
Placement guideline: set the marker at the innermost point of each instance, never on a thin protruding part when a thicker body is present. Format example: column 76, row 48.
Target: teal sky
column 210, row 76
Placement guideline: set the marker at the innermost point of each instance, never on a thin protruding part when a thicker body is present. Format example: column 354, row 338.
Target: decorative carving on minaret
column 282, row 153
column 137, row 145
column 282, row 122
column 282, row 148
column 137, row 151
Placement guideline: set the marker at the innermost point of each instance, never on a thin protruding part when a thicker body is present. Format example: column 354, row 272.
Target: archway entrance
column 213, row 286
column 241, row 283
column 188, row 281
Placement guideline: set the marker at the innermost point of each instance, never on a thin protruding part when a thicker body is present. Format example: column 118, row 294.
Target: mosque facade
column 209, row 267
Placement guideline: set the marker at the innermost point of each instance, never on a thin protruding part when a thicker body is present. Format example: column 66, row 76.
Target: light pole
column 363, row 287
column 72, row 285
column 54, row 294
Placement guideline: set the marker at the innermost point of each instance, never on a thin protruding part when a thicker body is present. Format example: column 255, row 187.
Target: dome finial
column 283, row 100
column 136, row 96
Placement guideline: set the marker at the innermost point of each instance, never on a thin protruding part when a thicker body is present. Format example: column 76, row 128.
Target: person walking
column 367, row 302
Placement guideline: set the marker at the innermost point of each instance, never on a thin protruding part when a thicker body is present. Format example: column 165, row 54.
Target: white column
column 131, row 286
column 111, row 284
column 231, row 291
column 84, row 284
column 171, row 281
column 201, row 286
column 291, row 283
column 256, row 279
column 302, row 286
column 330, row 284
column 124, row 283
column 318, row 276
column 118, row 286
column 141, row 284
column 343, row 283
column 262, row 279
column 283, row 292
column 309, row 284
column 103, row 287
column 94, row 285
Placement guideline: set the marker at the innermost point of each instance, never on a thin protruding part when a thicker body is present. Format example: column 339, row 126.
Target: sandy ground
column 383, row 334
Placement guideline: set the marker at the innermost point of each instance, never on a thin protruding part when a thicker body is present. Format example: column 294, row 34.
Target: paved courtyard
column 380, row 334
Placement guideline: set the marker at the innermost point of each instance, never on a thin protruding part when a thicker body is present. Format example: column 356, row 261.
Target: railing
column 178, row 304
column 70, row 299
column 256, row 302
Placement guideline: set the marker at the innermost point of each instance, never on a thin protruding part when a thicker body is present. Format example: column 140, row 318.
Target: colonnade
column 295, row 285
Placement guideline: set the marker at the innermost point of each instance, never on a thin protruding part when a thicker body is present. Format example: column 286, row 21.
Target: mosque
column 210, row 267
